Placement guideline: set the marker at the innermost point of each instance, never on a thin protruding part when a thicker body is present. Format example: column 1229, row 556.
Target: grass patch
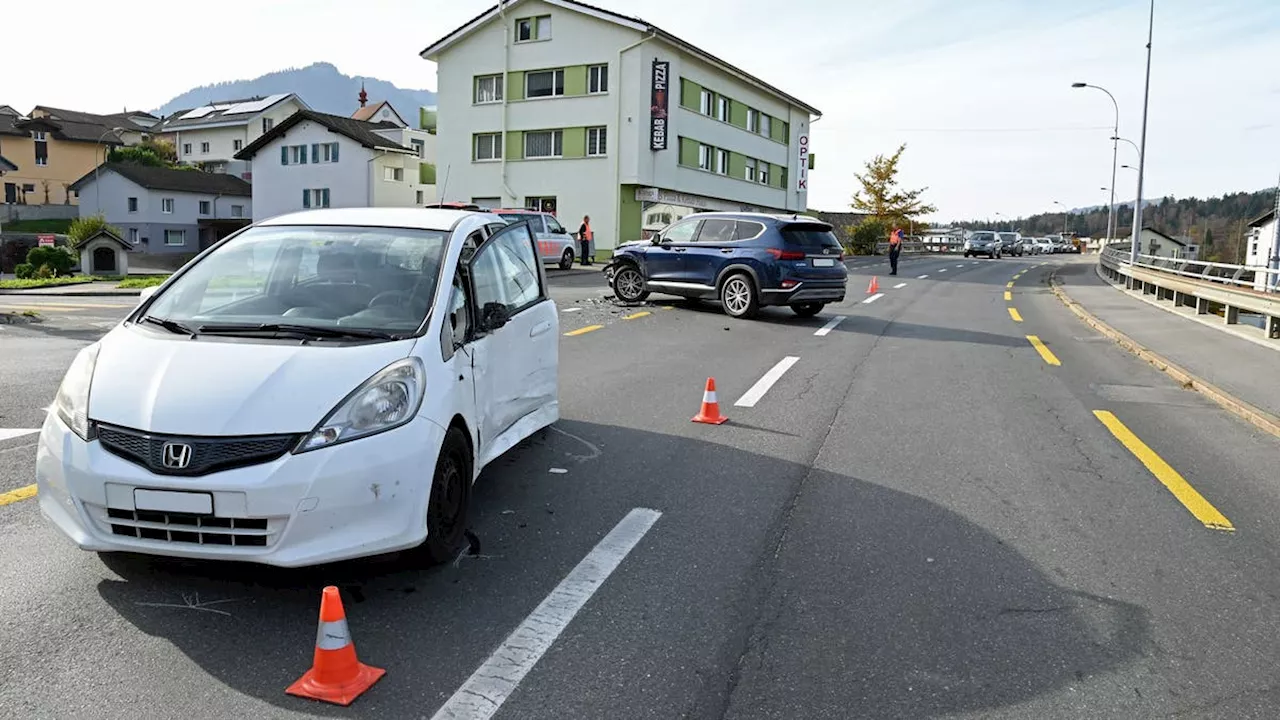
column 57, row 227
column 47, row 282
column 145, row 281
column 30, row 313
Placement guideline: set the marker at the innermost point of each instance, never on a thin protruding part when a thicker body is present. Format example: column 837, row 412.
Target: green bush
column 24, row 271
column 86, row 227
column 58, row 260
column 866, row 234
column 45, row 272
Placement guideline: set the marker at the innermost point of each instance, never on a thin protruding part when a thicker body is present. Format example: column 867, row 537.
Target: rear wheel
column 566, row 260
column 739, row 297
column 807, row 309
column 628, row 284
column 450, row 496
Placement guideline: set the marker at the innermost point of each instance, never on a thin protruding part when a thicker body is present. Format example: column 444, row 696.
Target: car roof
column 416, row 218
column 520, row 211
column 776, row 217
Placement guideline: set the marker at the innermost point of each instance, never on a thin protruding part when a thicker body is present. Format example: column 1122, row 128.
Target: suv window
column 681, row 232
column 810, row 236
column 748, row 230
column 554, row 226
column 505, row 272
column 717, row 230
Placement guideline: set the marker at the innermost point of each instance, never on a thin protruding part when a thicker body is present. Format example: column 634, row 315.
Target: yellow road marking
column 1013, row 313
column 1045, row 352
column 1193, row 501
column 14, row 496
column 1008, row 295
column 1010, row 284
column 583, row 331
column 633, row 316
column 668, row 307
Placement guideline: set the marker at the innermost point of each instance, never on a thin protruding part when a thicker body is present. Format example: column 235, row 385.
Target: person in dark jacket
column 585, row 236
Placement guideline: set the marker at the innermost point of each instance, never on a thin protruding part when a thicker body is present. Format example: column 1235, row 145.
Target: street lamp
column 1064, row 218
column 1142, row 147
column 1111, row 207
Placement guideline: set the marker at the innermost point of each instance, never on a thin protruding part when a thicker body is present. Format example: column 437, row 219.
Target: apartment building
column 567, row 108
column 209, row 136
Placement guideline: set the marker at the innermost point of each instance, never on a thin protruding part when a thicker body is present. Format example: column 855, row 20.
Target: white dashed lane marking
column 831, row 325
column 757, row 391
column 899, row 286
column 873, row 298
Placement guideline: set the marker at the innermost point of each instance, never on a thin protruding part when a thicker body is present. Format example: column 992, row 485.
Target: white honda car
column 320, row 386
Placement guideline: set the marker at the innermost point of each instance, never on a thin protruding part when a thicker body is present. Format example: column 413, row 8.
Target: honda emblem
column 175, row 456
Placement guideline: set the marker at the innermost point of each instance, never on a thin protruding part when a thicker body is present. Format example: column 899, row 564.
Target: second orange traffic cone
column 710, row 412
column 336, row 676
column 874, row 287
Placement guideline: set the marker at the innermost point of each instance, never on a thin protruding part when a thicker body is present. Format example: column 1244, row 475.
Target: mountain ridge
column 320, row 85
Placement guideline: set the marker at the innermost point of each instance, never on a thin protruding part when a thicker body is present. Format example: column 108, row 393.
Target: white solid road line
column 873, row 298
column 899, row 286
column 922, row 276
column 492, row 683
column 11, row 433
column 757, row 391
column 831, row 325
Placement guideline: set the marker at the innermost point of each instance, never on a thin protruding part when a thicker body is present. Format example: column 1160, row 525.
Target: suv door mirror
column 493, row 316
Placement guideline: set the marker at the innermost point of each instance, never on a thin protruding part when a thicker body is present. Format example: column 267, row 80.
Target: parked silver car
column 983, row 242
column 555, row 244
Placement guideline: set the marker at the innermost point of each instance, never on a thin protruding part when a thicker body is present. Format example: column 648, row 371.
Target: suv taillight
column 786, row 254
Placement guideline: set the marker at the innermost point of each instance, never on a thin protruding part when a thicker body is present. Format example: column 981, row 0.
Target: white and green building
column 562, row 106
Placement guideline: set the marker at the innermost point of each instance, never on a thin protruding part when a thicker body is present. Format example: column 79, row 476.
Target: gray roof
column 120, row 120
column 159, row 178
column 223, row 112
column 104, row 233
column 357, row 130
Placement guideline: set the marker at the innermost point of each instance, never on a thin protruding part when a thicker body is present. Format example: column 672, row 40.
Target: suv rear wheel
column 807, row 309
column 566, row 260
column 628, row 284
column 739, row 297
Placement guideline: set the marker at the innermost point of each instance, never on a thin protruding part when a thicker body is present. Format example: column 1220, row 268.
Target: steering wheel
column 390, row 297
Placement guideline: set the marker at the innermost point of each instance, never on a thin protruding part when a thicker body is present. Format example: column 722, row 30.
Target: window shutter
column 306, row 198
column 335, row 152
column 284, row 154
column 326, row 197
column 302, row 154
column 315, row 152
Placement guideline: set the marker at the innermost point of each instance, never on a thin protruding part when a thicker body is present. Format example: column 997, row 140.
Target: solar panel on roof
column 197, row 113
column 255, row 105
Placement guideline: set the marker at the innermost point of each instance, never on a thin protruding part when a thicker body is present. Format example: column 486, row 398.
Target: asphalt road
column 922, row 517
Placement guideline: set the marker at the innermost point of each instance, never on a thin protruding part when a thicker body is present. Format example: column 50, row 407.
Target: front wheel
column 628, row 285
column 805, row 310
column 450, row 496
column 739, row 297
column 566, row 260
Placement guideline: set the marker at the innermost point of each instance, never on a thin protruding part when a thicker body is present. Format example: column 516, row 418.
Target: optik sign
column 658, row 106
column 802, row 177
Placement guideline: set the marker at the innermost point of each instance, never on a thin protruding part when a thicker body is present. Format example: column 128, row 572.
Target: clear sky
column 978, row 89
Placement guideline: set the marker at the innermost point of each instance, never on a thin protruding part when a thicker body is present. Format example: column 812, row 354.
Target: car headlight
column 385, row 401
column 72, row 401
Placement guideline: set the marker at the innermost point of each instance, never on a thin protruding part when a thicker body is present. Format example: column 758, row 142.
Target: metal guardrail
column 1200, row 284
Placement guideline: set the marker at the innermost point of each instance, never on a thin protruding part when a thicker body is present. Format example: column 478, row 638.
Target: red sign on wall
column 46, row 239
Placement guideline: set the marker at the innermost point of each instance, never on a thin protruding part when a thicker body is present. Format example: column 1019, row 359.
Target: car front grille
column 188, row 528
column 202, row 455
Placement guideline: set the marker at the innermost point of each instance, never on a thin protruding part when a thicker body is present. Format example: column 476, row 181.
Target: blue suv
column 745, row 260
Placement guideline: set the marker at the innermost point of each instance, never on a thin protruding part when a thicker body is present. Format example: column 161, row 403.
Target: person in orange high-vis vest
column 895, row 249
column 585, row 237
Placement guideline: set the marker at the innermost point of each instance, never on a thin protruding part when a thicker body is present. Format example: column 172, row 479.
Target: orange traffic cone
column 874, row 287
column 710, row 412
column 336, row 676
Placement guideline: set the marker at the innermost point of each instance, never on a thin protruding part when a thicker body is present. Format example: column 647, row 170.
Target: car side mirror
column 494, row 316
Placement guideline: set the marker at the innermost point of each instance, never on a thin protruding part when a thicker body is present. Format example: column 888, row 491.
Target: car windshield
column 380, row 280
column 982, row 237
column 810, row 236
column 514, row 217
column 1008, row 237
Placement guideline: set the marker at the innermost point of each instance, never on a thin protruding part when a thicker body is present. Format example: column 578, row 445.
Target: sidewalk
column 93, row 289
column 1237, row 366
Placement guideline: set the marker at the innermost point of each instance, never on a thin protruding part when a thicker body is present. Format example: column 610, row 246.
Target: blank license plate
column 824, row 262
column 183, row 502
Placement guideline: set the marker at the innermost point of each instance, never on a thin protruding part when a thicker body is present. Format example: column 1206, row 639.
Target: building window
column 722, row 109
column 295, row 154
column 418, row 197
column 204, row 148
column 766, row 125
column 315, row 198
column 237, row 145
column 419, row 147
column 764, row 173
column 204, row 207
column 38, row 135
column 547, row 83
column 751, row 170
column 488, row 89
column 782, row 178
column 237, row 211
column 541, row 204
column 322, row 153
column 488, row 146
column 534, row 28
column 545, row 144
column 597, row 141
column 393, row 174
column 175, row 237
column 524, row 30
column 133, row 236
column 598, row 79
column 722, row 162
column 267, row 124
column 704, row 157
column 42, row 150
column 186, row 148
column 704, row 102
column 753, row 120
column 166, row 206
column 133, row 204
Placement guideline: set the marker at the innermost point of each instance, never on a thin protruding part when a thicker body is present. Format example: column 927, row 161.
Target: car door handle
column 726, row 251
column 540, row 329
column 679, row 249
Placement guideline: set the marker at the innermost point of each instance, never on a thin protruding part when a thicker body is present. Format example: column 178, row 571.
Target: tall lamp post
column 1111, row 207
column 1142, row 147
column 1064, row 218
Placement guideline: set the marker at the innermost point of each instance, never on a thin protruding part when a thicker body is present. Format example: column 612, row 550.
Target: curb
column 91, row 293
column 1259, row 418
